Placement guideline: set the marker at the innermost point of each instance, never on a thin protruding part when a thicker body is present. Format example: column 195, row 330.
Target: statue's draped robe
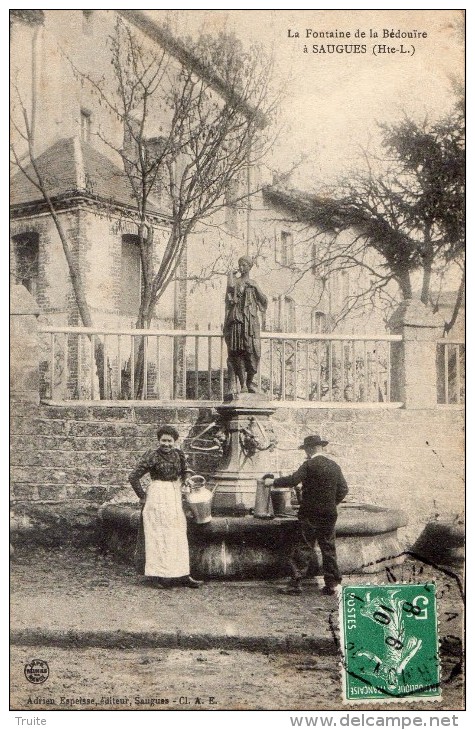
column 241, row 323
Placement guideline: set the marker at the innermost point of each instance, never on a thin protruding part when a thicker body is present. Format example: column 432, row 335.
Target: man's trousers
column 318, row 531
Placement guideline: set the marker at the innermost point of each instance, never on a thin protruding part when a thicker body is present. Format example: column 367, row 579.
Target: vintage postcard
column 237, row 379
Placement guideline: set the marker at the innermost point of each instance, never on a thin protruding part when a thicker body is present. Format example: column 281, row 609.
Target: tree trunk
column 143, row 322
column 404, row 281
column 458, row 303
column 74, row 271
column 145, row 314
column 425, row 292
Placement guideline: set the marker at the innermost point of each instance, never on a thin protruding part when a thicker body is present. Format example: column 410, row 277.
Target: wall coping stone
column 140, row 404
column 354, row 519
column 413, row 313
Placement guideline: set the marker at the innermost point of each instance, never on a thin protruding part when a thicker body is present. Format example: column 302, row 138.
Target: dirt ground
column 191, row 680
column 84, row 678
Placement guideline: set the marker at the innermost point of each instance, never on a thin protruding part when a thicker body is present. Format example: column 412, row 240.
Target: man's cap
column 311, row 441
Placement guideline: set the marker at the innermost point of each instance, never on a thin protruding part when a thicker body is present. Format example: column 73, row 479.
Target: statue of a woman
column 244, row 300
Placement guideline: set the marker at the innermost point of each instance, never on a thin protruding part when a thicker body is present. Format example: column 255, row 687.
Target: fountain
column 237, row 544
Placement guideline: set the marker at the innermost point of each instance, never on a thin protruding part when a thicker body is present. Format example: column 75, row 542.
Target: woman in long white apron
column 167, row 557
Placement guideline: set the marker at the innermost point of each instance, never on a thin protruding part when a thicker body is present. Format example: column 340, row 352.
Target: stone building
column 93, row 199
column 85, row 179
column 75, row 141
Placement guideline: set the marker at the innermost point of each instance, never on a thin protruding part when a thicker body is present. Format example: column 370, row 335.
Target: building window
column 26, row 252
column 87, row 21
column 318, row 324
column 85, row 125
column 154, row 149
column 339, row 289
column 345, row 287
column 283, row 314
column 286, row 248
column 322, row 322
column 131, row 276
column 289, row 315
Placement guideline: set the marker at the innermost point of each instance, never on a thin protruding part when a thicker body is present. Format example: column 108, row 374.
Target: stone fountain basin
column 244, row 547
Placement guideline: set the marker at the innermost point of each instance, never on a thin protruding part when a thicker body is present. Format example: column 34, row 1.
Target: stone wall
column 410, row 460
column 67, row 461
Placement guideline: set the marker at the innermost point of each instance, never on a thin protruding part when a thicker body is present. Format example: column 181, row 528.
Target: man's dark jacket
column 323, row 487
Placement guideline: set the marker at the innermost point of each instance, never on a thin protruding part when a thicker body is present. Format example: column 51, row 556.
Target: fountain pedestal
column 247, row 453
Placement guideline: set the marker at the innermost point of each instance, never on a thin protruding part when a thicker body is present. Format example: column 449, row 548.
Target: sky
column 334, row 100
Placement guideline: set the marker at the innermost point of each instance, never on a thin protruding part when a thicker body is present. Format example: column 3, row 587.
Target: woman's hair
column 169, row 431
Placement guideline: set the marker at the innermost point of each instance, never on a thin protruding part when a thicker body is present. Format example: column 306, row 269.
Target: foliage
column 406, row 203
column 30, row 17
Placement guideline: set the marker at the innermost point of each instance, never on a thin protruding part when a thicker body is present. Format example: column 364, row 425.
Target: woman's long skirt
column 164, row 522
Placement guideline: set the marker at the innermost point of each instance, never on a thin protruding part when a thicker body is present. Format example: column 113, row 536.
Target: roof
column 305, row 207
column 333, row 215
column 178, row 50
column 72, row 168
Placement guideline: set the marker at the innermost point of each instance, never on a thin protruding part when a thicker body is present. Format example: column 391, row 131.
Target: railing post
column 221, row 368
column 159, row 367
column 210, row 365
column 197, row 366
column 179, row 367
column 145, row 366
column 413, row 361
column 457, row 373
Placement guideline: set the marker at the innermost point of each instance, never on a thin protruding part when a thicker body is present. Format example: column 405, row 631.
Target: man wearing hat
column 323, row 488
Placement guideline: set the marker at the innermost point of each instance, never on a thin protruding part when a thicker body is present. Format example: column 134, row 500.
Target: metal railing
column 450, row 360
column 84, row 364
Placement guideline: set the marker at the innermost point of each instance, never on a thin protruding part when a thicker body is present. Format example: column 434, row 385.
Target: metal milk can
column 199, row 498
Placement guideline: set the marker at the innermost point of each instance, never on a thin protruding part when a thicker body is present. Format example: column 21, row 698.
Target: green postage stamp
column 389, row 642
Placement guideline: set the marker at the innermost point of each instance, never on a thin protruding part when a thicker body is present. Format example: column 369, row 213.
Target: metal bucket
column 263, row 509
column 281, row 500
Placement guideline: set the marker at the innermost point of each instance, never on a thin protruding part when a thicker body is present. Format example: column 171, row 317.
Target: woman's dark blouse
column 163, row 467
